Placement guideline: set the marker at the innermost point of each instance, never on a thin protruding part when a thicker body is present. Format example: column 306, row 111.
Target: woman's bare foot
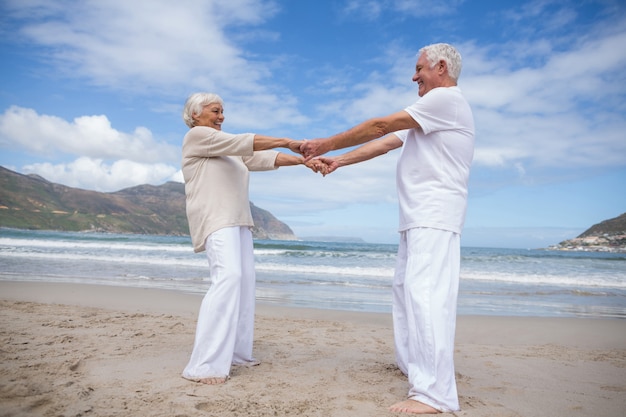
column 413, row 407
column 213, row 380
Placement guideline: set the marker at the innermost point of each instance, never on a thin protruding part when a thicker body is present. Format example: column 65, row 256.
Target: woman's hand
column 323, row 165
column 294, row 145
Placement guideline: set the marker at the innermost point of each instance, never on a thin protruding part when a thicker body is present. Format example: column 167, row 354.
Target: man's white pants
column 425, row 291
column 225, row 329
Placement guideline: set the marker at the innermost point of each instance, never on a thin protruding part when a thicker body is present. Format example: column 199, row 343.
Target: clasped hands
column 312, row 150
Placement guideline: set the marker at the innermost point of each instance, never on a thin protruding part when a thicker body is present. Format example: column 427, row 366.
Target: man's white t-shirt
column 433, row 170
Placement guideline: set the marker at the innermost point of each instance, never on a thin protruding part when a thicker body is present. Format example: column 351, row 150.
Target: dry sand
column 85, row 350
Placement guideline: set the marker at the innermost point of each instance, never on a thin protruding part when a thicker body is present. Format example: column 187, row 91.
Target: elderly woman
column 216, row 169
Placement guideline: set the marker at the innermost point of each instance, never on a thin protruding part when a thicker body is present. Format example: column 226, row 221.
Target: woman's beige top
column 216, row 169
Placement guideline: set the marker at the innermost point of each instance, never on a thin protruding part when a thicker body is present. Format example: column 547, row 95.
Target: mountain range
column 32, row 202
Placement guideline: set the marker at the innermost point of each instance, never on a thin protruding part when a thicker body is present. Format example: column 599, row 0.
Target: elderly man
column 436, row 135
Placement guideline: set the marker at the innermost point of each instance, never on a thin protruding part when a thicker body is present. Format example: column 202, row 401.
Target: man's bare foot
column 248, row 364
column 414, row 407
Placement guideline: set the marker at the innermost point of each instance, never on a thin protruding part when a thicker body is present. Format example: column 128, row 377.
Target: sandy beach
column 87, row 350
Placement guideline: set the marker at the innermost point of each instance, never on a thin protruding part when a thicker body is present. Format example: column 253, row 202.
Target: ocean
column 327, row 275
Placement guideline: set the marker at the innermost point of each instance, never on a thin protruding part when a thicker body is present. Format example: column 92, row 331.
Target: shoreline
column 500, row 301
column 80, row 348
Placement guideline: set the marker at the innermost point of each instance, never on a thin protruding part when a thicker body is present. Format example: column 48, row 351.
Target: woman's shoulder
column 200, row 130
column 197, row 133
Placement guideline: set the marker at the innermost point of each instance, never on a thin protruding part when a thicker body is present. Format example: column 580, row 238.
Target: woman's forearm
column 283, row 159
column 263, row 142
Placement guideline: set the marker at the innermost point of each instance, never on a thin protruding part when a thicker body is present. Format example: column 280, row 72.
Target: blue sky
column 92, row 92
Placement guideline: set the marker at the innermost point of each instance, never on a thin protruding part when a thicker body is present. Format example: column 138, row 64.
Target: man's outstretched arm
column 362, row 153
column 369, row 130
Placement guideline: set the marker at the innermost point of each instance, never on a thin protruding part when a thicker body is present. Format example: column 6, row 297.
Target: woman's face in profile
column 212, row 115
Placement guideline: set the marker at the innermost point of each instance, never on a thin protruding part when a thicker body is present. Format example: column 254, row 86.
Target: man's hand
column 312, row 148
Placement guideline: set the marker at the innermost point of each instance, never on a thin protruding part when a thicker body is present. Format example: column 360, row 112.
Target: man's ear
column 442, row 67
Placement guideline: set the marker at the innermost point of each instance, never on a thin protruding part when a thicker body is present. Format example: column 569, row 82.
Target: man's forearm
column 360, row 154
column 364, row 132
column 359, row 134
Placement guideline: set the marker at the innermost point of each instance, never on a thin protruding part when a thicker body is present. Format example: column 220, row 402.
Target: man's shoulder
column 443, row 94
column 453, row 89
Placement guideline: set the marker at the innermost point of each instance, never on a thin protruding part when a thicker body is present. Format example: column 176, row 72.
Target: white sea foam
column 91, row 245
column 324, row 274
column 588, row 280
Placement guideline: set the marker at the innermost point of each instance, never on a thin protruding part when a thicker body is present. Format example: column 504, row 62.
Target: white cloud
column 364, row 9
column 149, row 44
column 425, row 8
column 95, row 174
column 372, row 9
column 564, row 113
column 261, row 112
column 164, row 50
column 90, row 136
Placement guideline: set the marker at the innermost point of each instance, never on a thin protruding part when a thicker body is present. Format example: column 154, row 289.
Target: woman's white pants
column 425, row 291
column 225, row 329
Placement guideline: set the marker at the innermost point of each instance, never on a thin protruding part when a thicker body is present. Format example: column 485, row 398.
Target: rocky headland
column 606, row 236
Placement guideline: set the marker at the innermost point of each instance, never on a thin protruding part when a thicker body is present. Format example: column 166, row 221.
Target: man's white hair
column 448, row 53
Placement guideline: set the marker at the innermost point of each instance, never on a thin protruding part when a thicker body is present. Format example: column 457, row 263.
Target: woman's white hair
column 442, row 51
column 195, row 103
